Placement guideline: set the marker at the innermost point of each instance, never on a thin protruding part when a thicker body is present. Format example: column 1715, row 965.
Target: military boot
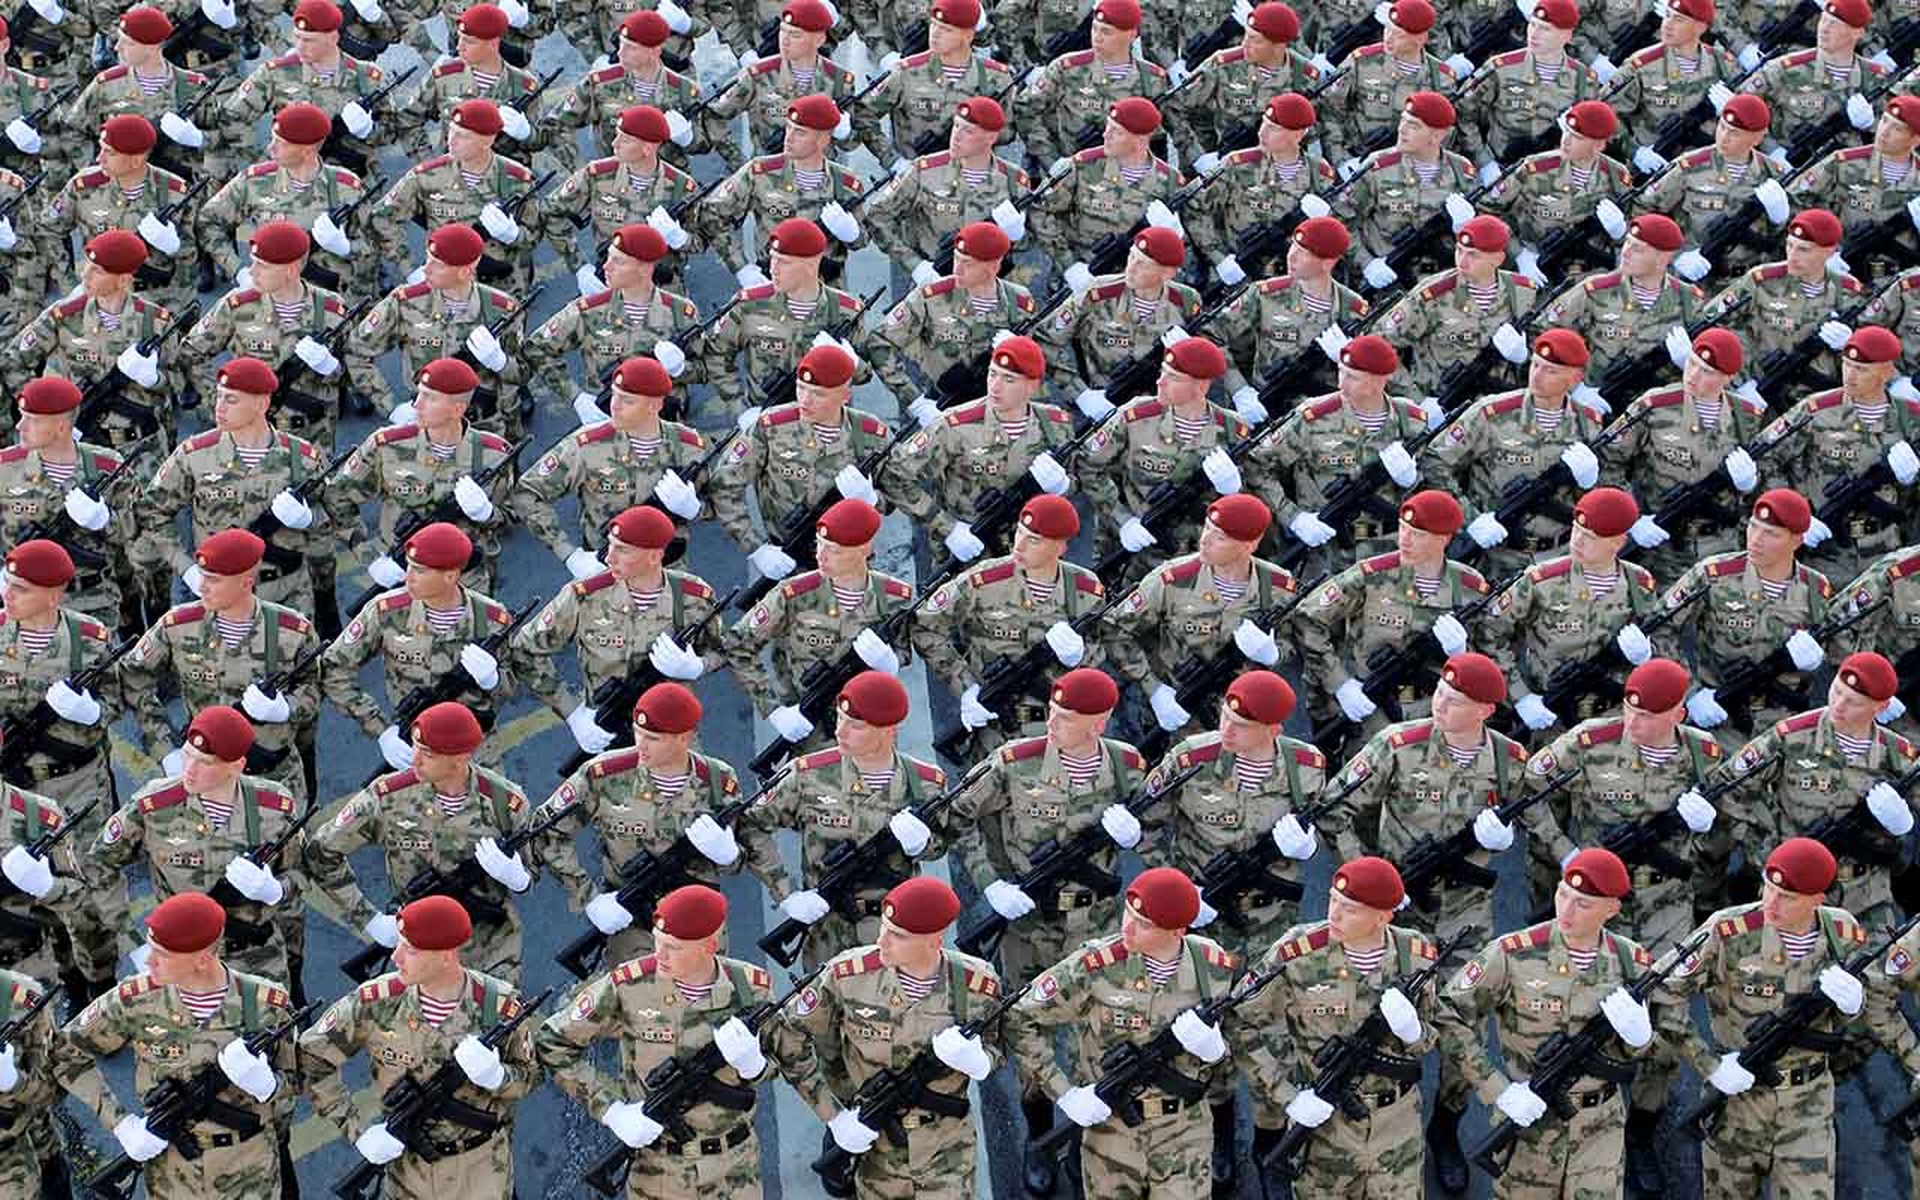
column 1042, row 1170
column 1226, row 1164
column 1443, row 1150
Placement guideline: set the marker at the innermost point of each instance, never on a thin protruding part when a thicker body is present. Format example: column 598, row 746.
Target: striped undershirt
column 1686, row 65
column 204, row 1006
column 472, row 179
column 1040, row 591
column 877, row 781
column 1081, row 769
column 1811, row 288
column 456, row 308
column 253, row 456
column 801, row 310
column 1144, row 306
column 1548, row 419
column 444, row 451
column 1484, row 294
column 1892, row 172
column 1871, row 415
column 980, row 305
column 849, row 596
column 61, row 473
column 951, row 74
column 694, row 993
column 1161, row 972
column 1284, row 172
column 36, row 641
column 1231, row 590
column 219, row 812
column 1426, row 587
column 450, row 806
column 150, row 85
column 1709, row 409
column 1738, row 171
column 1372, row 421
column 1799, row 945
column 325, row 75
column 645, row 90
column 289, row 312
column 1601, row 584
column 232, row 633
column 1316, row 303
column 1425, row 172
column 1547, row 72
column 643, row 447
column 437, row 1011
column 134, row 193
column 1407, row 69
column 1117, row 70
column 1134, row 174
column 1187, row 428
column 916, row 987
column 807, row 180
column 635, row 311
column 1579, row 173
column 1853, row 747
column 1016, row 427
column 669, row 783
column 108, row 320
column 638, row 184
column 1775, row 589
column 1643, row 295
column 1250, row 773
column 442, row 621
column 1462, row 756
column 1366, row 962
column 1658, row 756
column 827, row 435
column 486, row 79
column 298, row 184
column 1582, row 959
column 975, row 177
column 643, row 598
column 1839, row 73
column 1267, row 74
column 802, row 77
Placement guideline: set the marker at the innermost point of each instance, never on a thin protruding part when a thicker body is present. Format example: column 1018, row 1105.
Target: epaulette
column 1231, row 54
column 333, row 306
column 597, row 582
column 1854, row 153
column 1107, row 291
column 1109, row 952
column 383, row 988
column 1905, row 567
column 691, row 437
column 851, row 182
column 1541, row 572
column 1849, row 930
column 612, row 74
column 452, row 66
column 1744, row 923
column 851, row 304
column 14, row 453
column 164, row 798
column 993, row 574
column 1910, row 280
column 940, row 287
column 1849, row 284
column 1132, row 759
column 1475, row 580
column 1800, row 722
column 1641, row 576
column 983, row 982
column 1799, row 58
column 1547, row 161
column 786, row 414
column 273, row 796
column 1240, row 158
column 1163, row 167
column 138, row 986
column 1520, row 281
column 148, row 306
column 1079, row 58
column 768, row 164
column 111, row 73
column 1181, row 572
column 50, row 817
column 1766, row 272
column 1423, row 948
column 940, row 159
column 1831, row 398
column 1359, row 307
column 613, row 764
column 1642, row 957
column 1698, row 158
column 185, row 614
column 1603, row 283
column 1516, row 751
column 770, row 63
column 1503, row 405
column 93, row 630
column 1374, row 50
column 1732, row 564
column 1024, row 749
column 1309, row 756
column 203, row 440
column 1817, row 581
column 1152, row 68
column 292, row 620
column 499, row 613
column 434, row 163
column 1440, row 286
column 91, row 179
column 1412, row 734
column 635, row 969
column 71, row 308
column 597, row 300
column 1325, row 408
column 244, row 296
column 854, row 963
column 1528, row 939
column 1053, row 412
column 395, row 781
column 1390, row 561
column 994, row 64
column 930, row 773
column 285, row 60
column 1199, row 754
column 262, row 170
column 1300, row 947
column 413, row 291
column 1901, row 746
column 603, row 166
column 1091, row 154
column 899, row 589
column 918, row 60
column 698, row 588
column 394, row 433
column 1511, row 58
column 518, row 171
column 1652, row 54
column 1141, row 410
column 1089, row 583
column 1219, row 956
column 396, row 600
column 493, row 441
column 801, row 584
column 758, row 292
column 1603, row 734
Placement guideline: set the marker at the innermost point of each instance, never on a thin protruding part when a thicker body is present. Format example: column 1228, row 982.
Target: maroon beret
column 484, row 21
column 982, row 239
column 41, row 562
column 691, row 913
column 478, row 116
column 1261, row 696
column 1563, row 347
column 1749, row 112
column 49, row 395
column 1323, row 237
column 222, row 732
column 921, row 905
column 456, row 245
column 1562, row 14
column 1873, row 344
column 645, row 122
column 1164, row 896
column 1121, row 14
column 1370, row 353
column 641, row 241
column 849, row 522
column 1413, row 16
column 436, row 923
column 1657, row 230
column 1719, row 348
column 1371, row 881
column 668, row 708
column 441, row 546
column 1198, row 357
column 230, row 552
column 1433, row 511
column 1051, row 516
column 1857, row 13
column 248, row 375
column 1606, row 511
column 1594, row 119
column 646, row 27
column 1086, row 690
column 449, row 727
column 1291, row 110
column 643, row 376
column 961, row 14
column 799, row 237
column 1476, row 677
column 186, row 922
column 1816, row 225
column 450, row 375
column 1162, row 245
column 1484, row 232
column 1240, row 516
column 1803, row 865
column 1432, row 109
column 1597, row 871
column 120, row 251
column 983, row 111
column 817, row 111
column 1784, row 507
column 874, row 697
column 303, row 124
column 643, row 527
column 316, row 16
column 1657, row 685
column 1275, row 21
column 826, row 366
column 810, row 15
column 146, row 25
column 1136, row 114
column 1023, row 354
column 1870, row 674
column 280, row 242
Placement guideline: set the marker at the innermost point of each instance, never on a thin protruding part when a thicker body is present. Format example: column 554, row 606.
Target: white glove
column 1817, row 531
column 1246, row 402
column 1450, row 633
column 1730, row 1078
column 480, row 664
column 1256, row 643
column 1167, row 710
column 581, row 563
column 1066, row 643
column 1611, row 219
column 1198, row 1038
column 608, row 915
column 395, row 748
column 910, row 831
column 50, row 9
column 514, row 123
column 1509, row 342
column 1805, row 651
column 1491, row 832
column 924, row 273
column 1134, row 536
column 1773, row 199
column 1703, row 709
column 1692, row 265
column 1741, row 469
column 631, row 1124
column 1379, row 274
column 1534, row 711
column 1160, row 216
column 1749, row 58
column 925, row 413
column 740, row 1046
column 1049, row 474
column 1078, row 277
column 1008, row 900
column 1719, row 95
column 1859, row 112
column 1207, row 915
column 249, row 1072
column 386, row 572
column 1011, row 220
column 1581, row 463
column 180, row 130
column 1488, row 173
column 1889, row 808
column 143, row 369
column 1895, row 709
column 1520, row 1105
column 1628, row 1017
column 265, row 709
column 382, row 928
column 140, row 1145
column 358, row 120
column 849, row 1134
column 1648, row 160
column 1460, row 65
column 1331, row 340
column 1093, row 404
column 480, row 1063
column 192, row 577
column 318, row 358
column 517, row 13
column 485, row 347
column 506, row 870
column 790, row 723
column 855, row 486
column 499, row 226
column 751, row 276
column 1354, row 701
column 28, row 872
column 805, row 907
column 1122, row 826
column 1293, row 839
column 1634, row 644
column 161, row 235
column 1696, row 810
column 670, row 356
column 840, row 222
column 25, row 138
column 675, row 17
column 1399, row 464
column 9, row 1069
column 472, row 498
column 1903, row 462
column 1308, row 1109
column 1647, row 533
column 172, row 764
column 1527, row 263
column 876, row 653
column 1603, row 69
column 962, row 543
column 79, row 707
column 772, row 562
column 673, row 660
column 1229, row 271
column 290, row 510
column 1221, row 471
column 329, row 236
column 962, row 1053
column 1835, row 334
column 1678, row 345
column 973, row 714
column 1588, row 395
column 1310, row 529
column 1459, row 210
column 1314, row 206
column 376, row 1145
column 1400, row 1015
column 1841, row 987
column 1084, row 1107
column 587, row 734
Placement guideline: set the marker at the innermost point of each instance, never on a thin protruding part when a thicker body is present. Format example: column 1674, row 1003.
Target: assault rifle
column 1226, row 880
column 1578, row 678
column 1855, row 834
column 1681, row 130
column 265, row 525
column 1432, row 859
column 106, row 392
column 57, row 526
column 241, row 933
column 450, row 685
column 293, row 370
column 342, row 215
column 1752, row 678
column 336, row 148
column 448, row 509
column 778, row 388
column 167, row 152
column 492, row 269
column 1784, row 368
column 996, row 511
column 1477, row 376
column 34, row 119
column 1644, row 842
column 261, row 760
column 486, row 397
column 1007, row 679
column 157, row 270
column 1681, row 504
column 1624, row 378
column 28, row 734
column 22, row 934
column 1848, row 494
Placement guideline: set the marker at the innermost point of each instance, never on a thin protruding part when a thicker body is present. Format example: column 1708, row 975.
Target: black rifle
column 1128, row 1069
column 243, row 933
column 342, row 215
column 1644, row 842
column 1701, row 498
column 32, row 120
column 1753, row 678
column 196, row 34
column 1483, row 372
column 1228, row 878
column 1623, row 378
column 1565, row 1059
column 27, row 734
column 1736, row 226
column 450, row 686
column 411, row 1107
column 1433, row 860
column 168, row 153
column 446, row 510
column 486, row 397
column 341, row 146
column 1579, row 239
column 778, row 388
column 1855, row 834
column 57, row 526
column 174, row 1106
column 1344, row 1059
column 29, row 34
column 851, row 867
column 1681, row 130
column 492, row 269
column 677, row 1084
column 996, row 511
column 1419, row 238
column 157, row 270
column 1636, row 36
column 1361, row 32
column 22, row 934
column 1578, row 678
column 1770, row 1037
column 106, row 392
column 1848, row 494
column 1054, row 862
column 1811, row 143
column 462, row 883
column 1287, row 379
column 293, row 370
column 1782, row 369
column 265, row 526
column 260, row 759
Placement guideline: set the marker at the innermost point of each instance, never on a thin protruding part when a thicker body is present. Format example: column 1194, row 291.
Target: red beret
column 1699, row 10
column 826, row 366
column 668, row 708
column 303, row 124
column 281, row 242
column 1657, row 230
column 436, row 923
column 1371, row 881
column 921, row 905
column 643, row 376
column 799, row 237
column 1803, row 865
column 147, row 25
column 1749, row 112
column 1431, row 108
column 1870, row 674
column 450, row 375
column 983, row 111
column 810, row 15
column 1198, row 357
column 1594, row 119
column 1563, row 14
column 1873, row 344
column 1606, row 511
column 849, row 523
column 1242, row 517
column 186, row 922
column 441, row 546
column 1164, row 896
column 1023, row 354
column 1906, row 109
column 982, row 239
column 1162, row 245
column 1413, row 16
column 316, row 16
column 50, row 396
column 1720, row 349
column 961, row 14
column 248, row 375
column 484, row 21
column 456, row 245
column 1051, row 516
column 643, row 527
column 1086, row 690
column 1433, row 511
column 1484, row 232
column 1597, row 872
column 647, row 28
column 222, row 732
column 1857, row 13
column 449, row 727
column 645, row 122
column 41, row 562
column 1136, row 114
column 1275, row 21
column 1291, row 110
column 1121, row 14
column 230, row 552
column 1261, row 696
column 1815, row 225
column 1476, row 677
column 692, row 912
column 1323, row 237
column 120, row 251
column 1562, row 347
column 641, row 241
column 478, row 116
column 1784, row 507
column 1657, row 685
column 874, row 697
column 1370, row 353
column 817, row 111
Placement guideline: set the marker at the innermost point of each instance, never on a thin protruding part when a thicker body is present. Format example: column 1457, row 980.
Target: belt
column 702, row 1146
column 471, row 1142
column 1160, row 1106
column 224, row 1139
column 1800, row 1075
column 1389, row 1097
column 1592, row 1099
column 1075, row 897
column 919, row 1119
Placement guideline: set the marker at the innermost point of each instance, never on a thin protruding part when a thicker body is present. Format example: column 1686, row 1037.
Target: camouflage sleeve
column 976, row 815
column 1320, row 627
column 1353, row 825
column 340, row 667
column 881, row 102
column 776, row 809
column 1789, row 455
column 1754, row 819
column 555, row 849
column 1502, row 633
column 718, row 218
column 557, row 337
column 373, row 338
column 352, row 824
column 537, row 646
column 1238, row 330
column 211, row 334
column 216, row 221
column 716, row 123
column 169, row 491
column 1258, row 1032
column 1876, row 628
column 387, row 219
column 116, row 847
column 1717, row 307
column 1134, row 628
column 1671, row 1001
column 1272, row 467
column 1049, row 209
column 100, row 1031
column 324, row 1050
column 1901, row 975
column 739, row 467
column 803, row 1040
column 1693, row 580
column 911, row 479
column 27, row 354
column 893, row 343
column 1452, row 455
column 34, row 1058
column 1460, row 1017
column 743, row 642
column 891, row 215
column 1044, row 140
column 1058, row 1000
column 592, row 1013
column 139, row 677
column 1548, row 843
column 1889, row 307
column 939, row 633
column 541, row 490
column 1099, row 467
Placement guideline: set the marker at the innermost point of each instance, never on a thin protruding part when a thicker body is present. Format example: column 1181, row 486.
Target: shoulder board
column 1746, row 922
column 1276, row 285
column 413, row 291
column 1131, row 758
column 396, row 600
column 993, row 574
column 1603, row 283
column 1240, row 158
column 285, row 60
column 899, row 589
column 850, row 181
column 929, row 772
column 1698, row 158
column 691, row 437
column 138, row 986
column 1104, row 954
column 1527, row 939
column 768, row 164
column 1547, row 161
column 1901, row 745
column 1053, row 412
column 856, row 962
column 1502, row 405
column 1300, row 947
column 1905, row 567
column 201, row 441
column 1413, row 733
column 770, row 63
column 164, row 798
column 1732, row 564
column 1822, row 401
column 983, row 981
column 394, row 781
column 1324, row 408
column 1511, row 58
column 1079, row 58
column 1309, row 756
column 928, row 162
column 1800, row 722
column 434, row 163
column 1107, row 291
column 185, row 614
column 614, row 764
column 612, row 74
column 1475, row 580
column 597, row 300
column 92, row 178
column 1141, row 410
column 1799, row 58
column 693, row 585
column 14, row 453
column 635, row 969
column 852, row 304
column 1091, row 154
column 1182, row 571
column 1849, row 284
column 598, row 582
column 93, row 630
column 519, row 171
column 1769, row 271
column 1540, row 572
column 382, row 988
column 1641, row 576
column 1024, row 749
column 918, row 60
column 761, row 292
column 1666, row 399
column 292, row 620
column 494, row 441
column 1390, row 561
column 1603, row 733
column 940, row 287
column 801, row 584
column 113, row 72
column 1652, row 54
column 1152, row 68
column 819, row 759
column 1853, row 153
column 395, row 433
column 452, row 66
column 333, row 305
column 1219, row 956
column 71, row 308
column 1185, row 297
column 603, row 166
column 1207, row 752
column 275, row 797
column 262, row 170
column 1440, row 286
column 1515, row 750
column 1088, row 582
column 1372, row 51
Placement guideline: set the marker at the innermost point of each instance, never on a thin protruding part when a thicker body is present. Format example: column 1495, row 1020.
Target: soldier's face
column 417, row 966
column 1547, row 40
column 1111, row 42
column 1280, row 142
column 821, row 405
column 636, row 152
column 479, row 51
column 1735, row 143
column 1865, row 379
column 291, row 156
column 968, row 140
column 797, row 43
column 1363, row 387
column 1769, row 543
column 204, row 774
column 1416, row 137
column 974, row 272
column 1417, row 544
column 1261, row 48
column 1072, row 728
column 1641, row 261
column 275, row 277
column 1789, row 910
column 102, row 284
column 120, row 164
column 315, row 47
column 686, row 960
column 626, row 271
column 1403, row 45
column 1702, row 380
column 447, row 277
column 1036, row 554
column 1550, row 379
column 1591, row 550
column 1579, row 147
column 1646, row 728
column 1807, row 260
column 793, row 274
column 943, row 38
column 1008, row 389
column 38, row 431
column 222, row 593
column 1141, row 936
column 1892, row 137
column 1456, row 712
column 1241, row 736
column 842, row 562
column 1834, row 36
column 1145, row 274
column 631, row 409
column 804, row 142
column 170, row 968
column 437, row 409
column 1678, row 29
column 1580, row 916
column 234, row 409
column 1303, row 263
column 1477, row 265
column 657, row 749
column 1217, row 549
column 915, row 952
column 1851, row 709
column 444, row 771
column 863, row 739
column 135, row 53
column 431, row 585
column 28, row 601
column 1179, row 388
column 641, row 60
column 1123, row 143
column 466, row 145
column 632, row 562
column 1353, row 923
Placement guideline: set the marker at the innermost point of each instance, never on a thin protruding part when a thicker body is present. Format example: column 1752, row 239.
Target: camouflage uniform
column 434, row 192
column 1890, row 630
column 1097, row 332
column 1848, row 182
column 599, row 328
column 1073, row 93
column 287, row 79
column 913, row 214
column 1388, row 198
column 935, row 328
column 34, row 264
column 1228, row 92
column 1551, row 618
column 33, row 497
column 1315, row 447
column 1736, row 620
column 264, row 192
column 1437, row 325
column 1801, row 92
column 1838, row 445
column 1671, row 448
column 1781, row 315
column 918, row 101
column 1256, row 193
column 941, row 475
column 1894, row 307
column 397, row 469
column 609, row 633
column 69, row 339
column 245, row 322
column 1176, row 614
column 1137, row 449
column 1701, row 188
column 601, row 469
column 803, row 622
column 411, row 654
column 1616, row 327
column 69, row 762
column 768, row 190
column 596, row 102
column 114, row 91
column 1095, row 201
column 1371, row 96
column 28, row 1141
column 26, row 924
column 1507, row 103
column 1651, row 87
column 760, row 324
column 92, row 203
column 763, row 93
column 1541, row 195
column 416, row 319
column 1270, row 324
column 601, row 194
column 783, row 460
column 422, row 117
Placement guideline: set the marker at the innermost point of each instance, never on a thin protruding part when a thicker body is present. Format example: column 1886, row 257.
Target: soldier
column 1105, row 189
column 55, row 50
column 1546, row 980
column 1671, row 76
column 431, row 1009
column 1400, row 188
column 1074, row 93
column 1624, row 314
column 1869, row 187
column 33, row 263
column 1338, row 973
column 630, row 316
column 475, row 71
column 1116, row 317
column 125, row 190
column 1717, row 181
column 31, row 1159
column 641, row 800
column 1264, row 184
column 800, row 181
column 1511, row 106
column 1091, row 993
column 874, row 1003
column 49, row 922
column 611, row 194
column 920, row 211
column 315, row 73
column 1556, row 189
column 1894, row 307
column 1506, row 439
column 685, row 996
column 422, row 631
column 430, row 816
column 638, row 77
column 1797, row 297
column 141, row 82
column 1886, row 627
column 1220, row 103
column 1807, row 86
column 951, row 323
column 767, row 89
column 1445, row 321
column 1365, row 100
column 188, row 1011
column 918, row 93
